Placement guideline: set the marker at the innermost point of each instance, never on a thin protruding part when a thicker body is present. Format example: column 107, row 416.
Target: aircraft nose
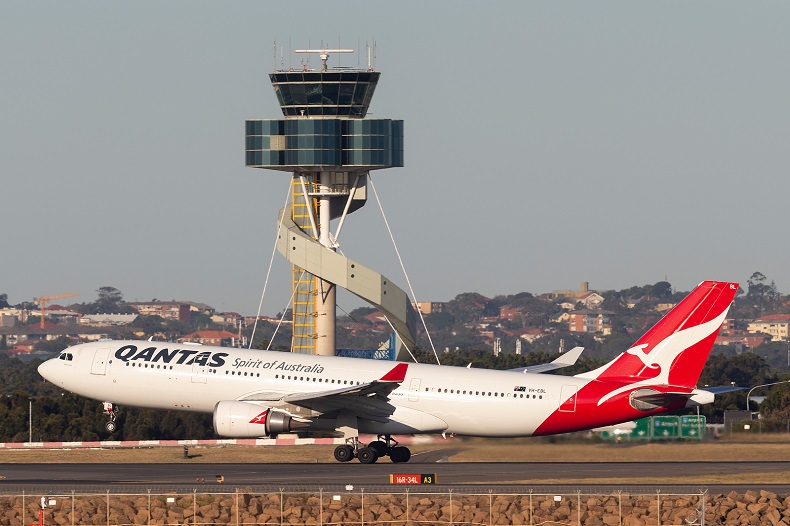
column 48, row 370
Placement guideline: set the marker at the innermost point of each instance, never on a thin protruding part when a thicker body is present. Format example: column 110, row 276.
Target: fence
column 362, row 507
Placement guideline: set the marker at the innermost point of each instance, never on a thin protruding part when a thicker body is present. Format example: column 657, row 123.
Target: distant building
column 218, row 338
column 576, row 295
column 591, row 300
column 168, row 311
column 227, row 318
column 590, row 321
column 103, row 320
column 375, row 318
column 202, row 308
column 430, row 307
column 34, row 333
column 530, row 335
column 509, row 313
column 775, row 325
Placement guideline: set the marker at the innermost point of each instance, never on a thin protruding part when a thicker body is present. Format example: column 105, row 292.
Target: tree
column 53, row 346
column 109, row 301
column 662, row 289
column 759, row 290
column 466, row 307
column 4, row 301
column 109, row 298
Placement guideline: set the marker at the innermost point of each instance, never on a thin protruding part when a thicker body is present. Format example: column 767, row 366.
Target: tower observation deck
column 329, row 147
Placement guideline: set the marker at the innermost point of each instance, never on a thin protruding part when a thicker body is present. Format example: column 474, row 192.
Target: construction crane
column 42, row 301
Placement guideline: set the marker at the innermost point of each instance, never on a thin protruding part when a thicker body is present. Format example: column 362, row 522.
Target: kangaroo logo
column 647, row 358
column 665, row 352
column 261, row 418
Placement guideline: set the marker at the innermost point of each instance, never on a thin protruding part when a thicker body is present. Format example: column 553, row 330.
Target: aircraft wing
column 368, row 400
column 565, row 360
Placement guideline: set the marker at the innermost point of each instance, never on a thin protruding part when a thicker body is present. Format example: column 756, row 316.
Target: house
column 561, row 317
column 34, row 333
column 376, row 318
column 217, row 338
column 590, row 321
column 574, row 295
column 509, row 313
column 429, row 307
column 591, row 300
column 728, row 326
column 530, row 335
column 168, row 311
column 103, row 320
column 202, row 308
column 775, row 325
column 227, row 318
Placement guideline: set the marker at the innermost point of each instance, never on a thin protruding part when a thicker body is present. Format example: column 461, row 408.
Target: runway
column 331, row 476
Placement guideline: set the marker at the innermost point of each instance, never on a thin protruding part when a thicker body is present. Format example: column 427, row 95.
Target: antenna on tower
column 323, row 54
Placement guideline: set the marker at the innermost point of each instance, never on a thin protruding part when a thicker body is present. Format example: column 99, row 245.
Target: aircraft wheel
column 111, row 426
column 400, row 454
column 344, row 453
column 367, row 455
column 379, row 447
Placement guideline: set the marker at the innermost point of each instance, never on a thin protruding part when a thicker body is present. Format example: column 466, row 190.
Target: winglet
column 396, row 374
column 569, row 358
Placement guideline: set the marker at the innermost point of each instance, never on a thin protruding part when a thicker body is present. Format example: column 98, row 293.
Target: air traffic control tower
column 329, row 148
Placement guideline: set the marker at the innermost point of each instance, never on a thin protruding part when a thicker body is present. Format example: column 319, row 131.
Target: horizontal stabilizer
column 662, row 399
column 719, row 389
column 564, row 360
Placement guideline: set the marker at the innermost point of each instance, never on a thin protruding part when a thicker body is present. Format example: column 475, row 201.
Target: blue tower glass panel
column 324, row 143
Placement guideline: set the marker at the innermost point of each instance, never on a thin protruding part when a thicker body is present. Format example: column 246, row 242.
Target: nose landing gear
column 111, row 410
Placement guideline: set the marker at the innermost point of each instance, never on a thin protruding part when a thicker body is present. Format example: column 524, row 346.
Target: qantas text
column 178, row 356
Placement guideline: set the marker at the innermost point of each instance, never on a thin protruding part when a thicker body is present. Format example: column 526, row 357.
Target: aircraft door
column 414, row 390
column 568, row 399
column 199, row 373
column 99, row 365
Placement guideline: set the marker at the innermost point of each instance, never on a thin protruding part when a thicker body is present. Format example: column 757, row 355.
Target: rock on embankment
column 245, row 507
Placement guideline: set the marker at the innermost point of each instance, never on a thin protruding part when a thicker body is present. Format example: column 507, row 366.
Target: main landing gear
column 111, row 410
column 384, row 446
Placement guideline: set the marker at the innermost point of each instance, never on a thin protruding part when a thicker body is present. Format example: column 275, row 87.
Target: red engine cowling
column 236, row 419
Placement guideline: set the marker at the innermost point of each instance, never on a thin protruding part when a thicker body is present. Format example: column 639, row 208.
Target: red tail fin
column 674, row 351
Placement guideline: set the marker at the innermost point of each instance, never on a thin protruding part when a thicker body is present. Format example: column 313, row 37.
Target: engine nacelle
column 236, row 419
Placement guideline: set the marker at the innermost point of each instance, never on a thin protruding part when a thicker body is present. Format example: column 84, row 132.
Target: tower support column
column 326, row 320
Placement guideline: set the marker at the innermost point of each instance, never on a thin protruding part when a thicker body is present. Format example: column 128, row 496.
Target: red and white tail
column 675, row 350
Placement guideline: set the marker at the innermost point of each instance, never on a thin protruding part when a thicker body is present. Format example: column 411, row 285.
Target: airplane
column 254, row 393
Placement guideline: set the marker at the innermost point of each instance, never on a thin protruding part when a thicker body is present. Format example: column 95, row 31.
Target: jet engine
column 236, row 419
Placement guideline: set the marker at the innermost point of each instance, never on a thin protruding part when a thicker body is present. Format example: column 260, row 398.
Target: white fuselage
column 430, row 399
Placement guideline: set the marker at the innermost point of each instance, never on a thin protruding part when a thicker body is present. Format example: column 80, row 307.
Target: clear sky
column 546, row 143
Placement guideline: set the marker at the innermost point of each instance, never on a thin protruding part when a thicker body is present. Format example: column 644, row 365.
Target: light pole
column 763, row 385
column 30, row 420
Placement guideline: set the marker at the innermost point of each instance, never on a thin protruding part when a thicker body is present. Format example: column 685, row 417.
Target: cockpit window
column 67, row 356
